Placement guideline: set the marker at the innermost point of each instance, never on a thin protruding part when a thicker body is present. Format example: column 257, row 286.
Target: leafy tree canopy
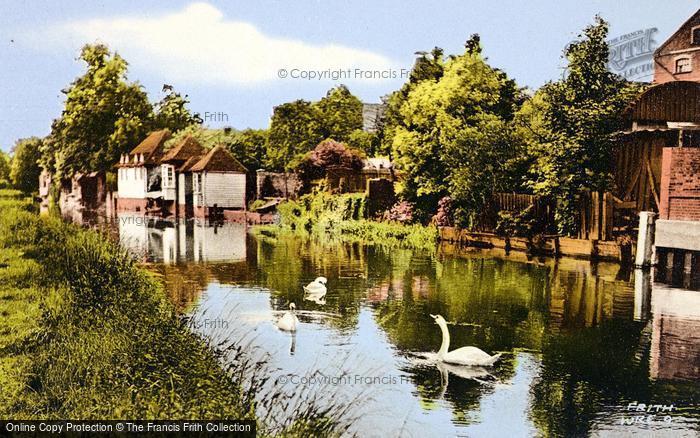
column 340, row 114
column 104, row 116
column 171, row 112
column 568, row 125
column 24, row 168
column 453, row 136
column 4, row 169
column 294, row 130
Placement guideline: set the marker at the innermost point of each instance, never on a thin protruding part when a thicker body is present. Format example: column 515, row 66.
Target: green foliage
column 294, row 130
column 367, row 142
column 25, row 170
column 340, row 114
column 92, row 336
column 568, row 125
column 453, row 136
column 104, row 116
column 342, row 217
column 249, row 147
column 518, row 223
column 4, row 169
column 172, row 113
column 297, row 127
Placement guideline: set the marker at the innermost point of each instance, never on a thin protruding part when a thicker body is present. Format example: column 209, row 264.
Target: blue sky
column 226, row 54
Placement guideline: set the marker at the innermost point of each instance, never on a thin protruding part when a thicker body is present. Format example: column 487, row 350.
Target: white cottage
column 219, row 183
column 140, row 178
column 177, row 162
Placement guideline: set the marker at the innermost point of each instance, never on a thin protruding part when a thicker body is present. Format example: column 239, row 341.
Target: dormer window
column 683, row 65
column 695, row 36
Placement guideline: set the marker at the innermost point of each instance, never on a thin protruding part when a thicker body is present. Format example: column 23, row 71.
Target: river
column 587, row 349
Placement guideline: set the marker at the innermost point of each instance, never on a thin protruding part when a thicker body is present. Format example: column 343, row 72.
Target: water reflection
column 675, row 340
column 580, row 341
column 191, row 240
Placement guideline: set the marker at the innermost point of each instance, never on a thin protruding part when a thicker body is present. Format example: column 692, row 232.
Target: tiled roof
column 151, row 144
column 218, row 160
column 189, row 163
column 189, row 147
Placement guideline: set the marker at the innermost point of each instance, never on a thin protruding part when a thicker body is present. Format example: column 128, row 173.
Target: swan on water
column 289, row 320
column 316, row 288
column 471, row 356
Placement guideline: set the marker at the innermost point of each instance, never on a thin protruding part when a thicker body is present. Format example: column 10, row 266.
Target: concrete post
column 642, row 294
column 645, row 240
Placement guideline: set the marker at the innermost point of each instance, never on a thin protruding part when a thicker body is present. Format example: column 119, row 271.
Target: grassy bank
column 342, row 217
column 87, row 334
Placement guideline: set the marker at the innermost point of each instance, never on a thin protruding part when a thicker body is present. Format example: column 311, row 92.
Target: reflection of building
column 675, row 341
column 580, row 297
column 171, row 242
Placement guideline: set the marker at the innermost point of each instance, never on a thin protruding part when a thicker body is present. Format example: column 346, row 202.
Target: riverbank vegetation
column 342, row 217
column 87, row 334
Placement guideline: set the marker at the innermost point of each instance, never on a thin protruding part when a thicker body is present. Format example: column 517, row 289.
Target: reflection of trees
column 183, row 283
column 287, row 264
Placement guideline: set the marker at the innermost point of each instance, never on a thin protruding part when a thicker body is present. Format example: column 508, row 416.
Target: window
column 695, row 36
column 683, row 65
column 197, row 182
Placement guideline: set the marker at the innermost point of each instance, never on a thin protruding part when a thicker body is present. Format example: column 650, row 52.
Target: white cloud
column 199, row 44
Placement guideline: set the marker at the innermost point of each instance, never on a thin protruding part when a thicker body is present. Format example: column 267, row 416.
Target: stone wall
column 276, row 185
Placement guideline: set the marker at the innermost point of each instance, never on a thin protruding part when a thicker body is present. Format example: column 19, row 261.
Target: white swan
column 289, row 320
column 316, row 288
column 471, row 356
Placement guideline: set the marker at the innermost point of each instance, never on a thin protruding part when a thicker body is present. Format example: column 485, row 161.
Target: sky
column 237, row 59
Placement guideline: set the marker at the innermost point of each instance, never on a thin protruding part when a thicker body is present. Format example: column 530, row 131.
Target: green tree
column 295, row 129
column 172, row 113
column 427, row 67
column 453, row 136
column 249, row 147
column 104, row 116
column 24, row 168
column 340, row 113
column 569, row 125
column 4, row 169
column 368, row 142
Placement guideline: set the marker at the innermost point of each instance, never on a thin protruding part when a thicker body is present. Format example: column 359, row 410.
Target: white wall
column 226, row 190
column 131, row 182
column 181, row 188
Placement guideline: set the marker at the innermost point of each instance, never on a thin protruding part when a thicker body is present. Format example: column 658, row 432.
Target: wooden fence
column 599, row 214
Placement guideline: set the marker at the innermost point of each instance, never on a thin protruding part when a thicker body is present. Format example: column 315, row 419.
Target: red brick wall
column 680, row 184
column 665, row 69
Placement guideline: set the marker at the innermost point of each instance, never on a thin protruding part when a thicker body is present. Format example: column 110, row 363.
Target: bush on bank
column 343, row 217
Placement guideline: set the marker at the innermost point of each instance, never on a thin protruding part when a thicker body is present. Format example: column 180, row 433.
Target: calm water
column 583, row 345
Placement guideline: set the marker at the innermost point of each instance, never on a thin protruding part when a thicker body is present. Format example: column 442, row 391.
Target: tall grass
column 108, row 344
column 87, row 334
column 342, row 217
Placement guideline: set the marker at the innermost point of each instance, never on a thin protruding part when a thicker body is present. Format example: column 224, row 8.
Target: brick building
column 666, row 118
column 678, row 58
